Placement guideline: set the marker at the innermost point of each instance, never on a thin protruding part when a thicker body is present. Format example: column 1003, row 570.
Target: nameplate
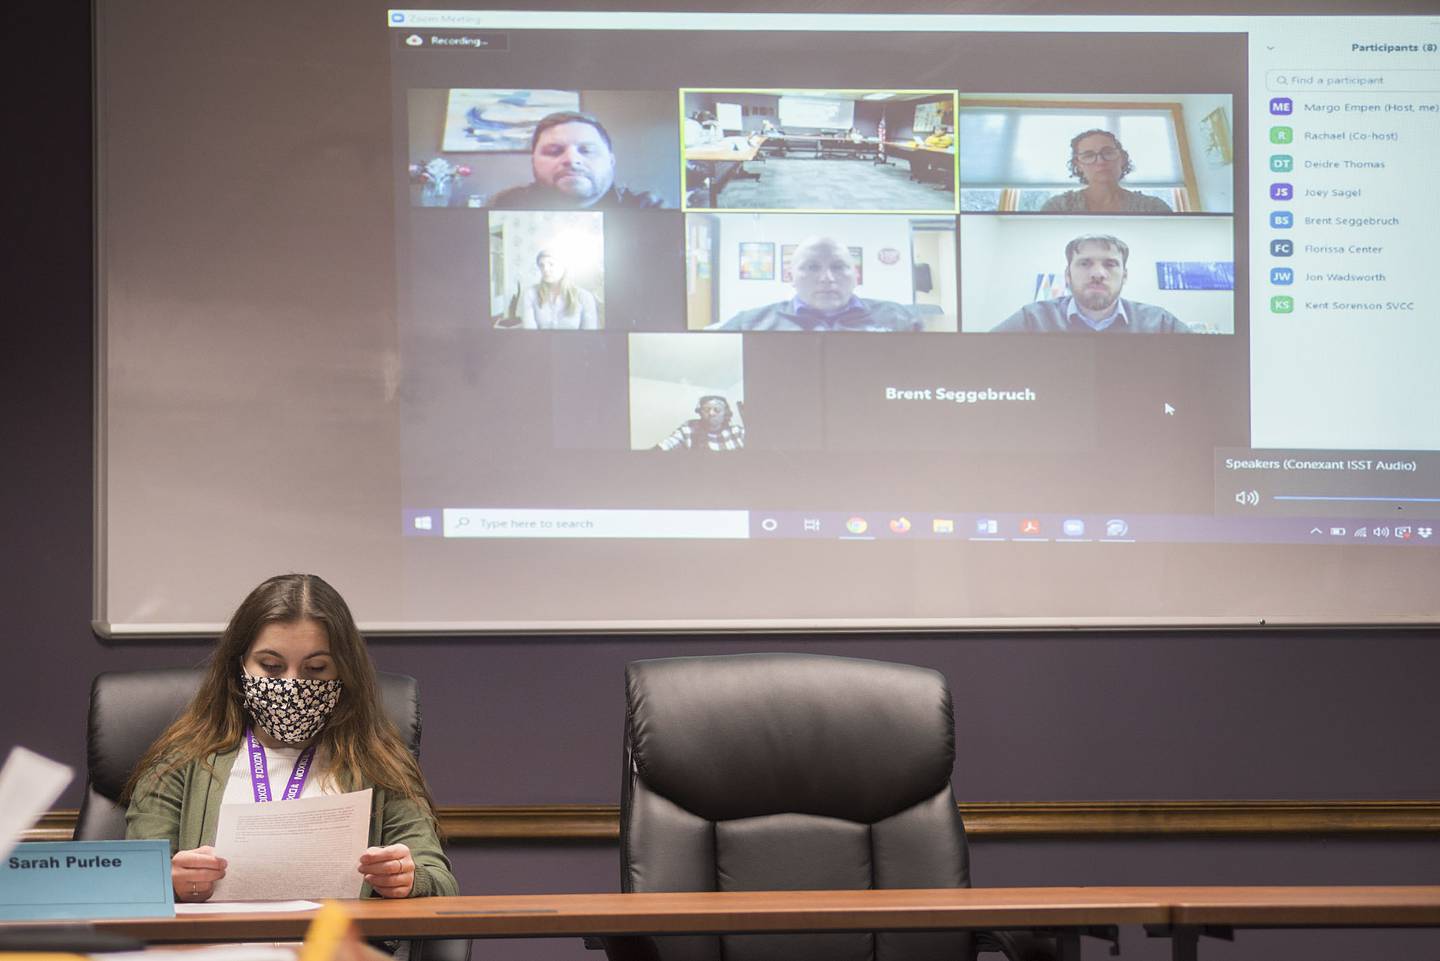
column 86, row 879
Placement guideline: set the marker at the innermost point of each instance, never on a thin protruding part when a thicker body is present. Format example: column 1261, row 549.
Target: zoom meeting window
column 579, row 321
column 767, row 290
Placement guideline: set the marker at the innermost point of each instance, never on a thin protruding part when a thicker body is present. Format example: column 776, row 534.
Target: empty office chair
column 793, row 772
column 130, row 709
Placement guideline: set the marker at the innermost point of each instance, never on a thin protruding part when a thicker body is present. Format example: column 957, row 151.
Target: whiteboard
column 729, row 116
column 817, row 112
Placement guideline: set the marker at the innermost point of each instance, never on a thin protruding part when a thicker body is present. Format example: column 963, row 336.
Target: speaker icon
column 1247, row 498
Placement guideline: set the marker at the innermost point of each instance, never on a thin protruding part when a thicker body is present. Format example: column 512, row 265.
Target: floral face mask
column 290, row 709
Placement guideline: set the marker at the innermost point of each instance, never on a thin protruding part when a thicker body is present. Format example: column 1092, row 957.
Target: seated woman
column 555, row 303
column 1099, row 162
column 290, row 682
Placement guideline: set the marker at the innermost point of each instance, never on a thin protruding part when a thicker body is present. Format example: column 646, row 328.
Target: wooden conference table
column 712, row 158
column 724, row 160
column 926, row 163
column 1183, row 914
column 821, row 145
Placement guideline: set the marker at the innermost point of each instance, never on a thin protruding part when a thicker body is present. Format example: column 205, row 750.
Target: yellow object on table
column 332, row 937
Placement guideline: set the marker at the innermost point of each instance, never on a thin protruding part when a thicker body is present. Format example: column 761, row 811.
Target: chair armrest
column 626, row 948
column 1040, row 945
column 444, row 949
column 1018, row 945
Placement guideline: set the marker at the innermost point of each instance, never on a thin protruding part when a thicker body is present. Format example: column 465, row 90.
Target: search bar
column 569, row 523
column 1353, row 81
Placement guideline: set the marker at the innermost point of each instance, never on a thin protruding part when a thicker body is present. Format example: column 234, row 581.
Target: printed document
column 282, row 850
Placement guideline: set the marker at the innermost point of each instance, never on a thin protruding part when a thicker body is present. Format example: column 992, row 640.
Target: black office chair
column 793, row 772
column 130, row 709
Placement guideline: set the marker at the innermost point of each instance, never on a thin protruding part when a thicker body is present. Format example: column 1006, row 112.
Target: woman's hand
column 193, row 873
column 390, row 871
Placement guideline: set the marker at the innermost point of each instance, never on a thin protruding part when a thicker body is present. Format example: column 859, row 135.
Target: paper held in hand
column 306, row 848
column 29, row 784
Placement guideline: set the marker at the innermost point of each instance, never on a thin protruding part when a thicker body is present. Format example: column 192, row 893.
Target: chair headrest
column 130, row 709
column 745, row 735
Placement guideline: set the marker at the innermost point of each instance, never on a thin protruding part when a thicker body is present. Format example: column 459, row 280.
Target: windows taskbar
column 871, row 525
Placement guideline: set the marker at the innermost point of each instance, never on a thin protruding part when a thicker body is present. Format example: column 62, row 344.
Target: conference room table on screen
column 926, row 163
column 1184, row 914
column 714, row 158
column 784, row 145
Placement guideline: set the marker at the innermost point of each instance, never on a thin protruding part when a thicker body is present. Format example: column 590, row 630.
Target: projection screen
column 972, row 320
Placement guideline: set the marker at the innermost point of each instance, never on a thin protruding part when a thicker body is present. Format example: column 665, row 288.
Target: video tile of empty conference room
column 819, row 150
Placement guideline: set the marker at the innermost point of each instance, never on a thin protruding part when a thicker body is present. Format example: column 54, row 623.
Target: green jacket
column 184, row 807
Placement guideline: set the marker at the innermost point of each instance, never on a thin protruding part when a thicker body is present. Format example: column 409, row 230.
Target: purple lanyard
column 260, row 771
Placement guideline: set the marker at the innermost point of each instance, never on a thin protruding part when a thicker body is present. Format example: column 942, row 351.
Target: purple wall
column 1039, row 716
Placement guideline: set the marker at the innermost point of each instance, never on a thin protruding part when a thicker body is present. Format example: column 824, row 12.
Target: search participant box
column 1353, row 81
column 570, row 523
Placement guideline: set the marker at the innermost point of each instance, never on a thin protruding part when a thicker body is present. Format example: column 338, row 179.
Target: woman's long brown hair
column 362, row 746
